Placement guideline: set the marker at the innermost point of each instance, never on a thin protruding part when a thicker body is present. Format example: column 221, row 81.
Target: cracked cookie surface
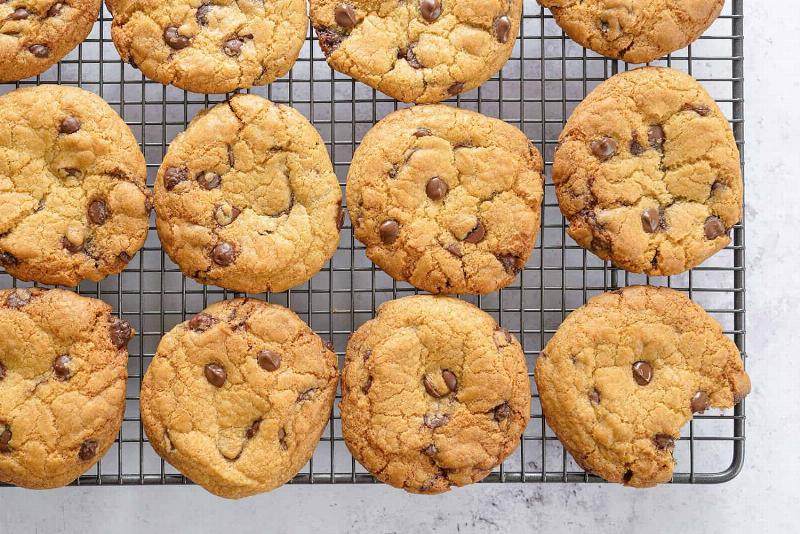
column 63, row 368
column 419, row 51
column 446, row 199
column 625, row 372
column 246, row 198
column 237, row 397
column 36, row 34
column 647, row 173
column 209, row 46
column 434, row 394
column 74, row 203
column 635, row 31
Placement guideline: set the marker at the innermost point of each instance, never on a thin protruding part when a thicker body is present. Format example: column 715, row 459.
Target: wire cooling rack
column 546, row 77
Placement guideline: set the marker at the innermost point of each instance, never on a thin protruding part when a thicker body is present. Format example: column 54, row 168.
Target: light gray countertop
column 763, row 497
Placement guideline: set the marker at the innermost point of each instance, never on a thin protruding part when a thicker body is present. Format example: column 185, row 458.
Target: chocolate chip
column 5, row 438
column 656, row 137
column 202, row 14
column 594, row 396
column 409, row 55
column 18, row 298
column 700, row 402
column 175, row 175
column 635, row 147
column 120, row 332
column 664, row 442
column 717, row 186
column 209, row 180
column 455, row 250
column 282, row 438
column 329, row 40
column 201, row 322
column 225, row 214
column 69, row 125
column 345, row 16
column 502, row 29
column 174, row 39
column 61, row 367
column 97, row 212
column 8, row 260
column 231, row 157
column 215, row 374
column 651, row 220
column 430, row 387
column 39, row 50
column 389, row 230
column 367, row 385
column 714, row 228
column 435, row 420
column 19, row 14
column 2, row 371
column 703, row 111
column 88, row 450
column 510, row 263
column 436, row 188
column 269, row 360
column 477, row 234
column 56, row 9
column 604, row 148
column 430, row 9
column 450, row 380
column 642, row 373
column 223, row 254
column 627, row 476
column 501, row 412
column 306, row 395
column 252, row 430
column 233, row 47
column 502, row 337
column 422, row 132
column 340, row 218
column 455, row 89
column 430, row 450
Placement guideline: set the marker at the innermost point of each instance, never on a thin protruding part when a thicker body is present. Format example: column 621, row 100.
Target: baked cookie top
column 647, row 172
column 636, row 31
column 626, row 371
column 209, row 47
column 446, row 199
column 247, row 199
column 63, row 367
column 434, row 394
column 36, row 34
column 74, row 204
column 419, row 51
column 237, row 397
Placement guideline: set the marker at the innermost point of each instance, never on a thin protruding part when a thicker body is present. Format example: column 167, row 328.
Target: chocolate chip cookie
column 74, row 204
column 247, row 199
column 636, row 31
column 237, row 397
column 36, row 34
column 446, row 199
column 63, row 367
column 626, row 371
column 209, row 47
column 419, row 51
column 434, row 394
column 647, row 172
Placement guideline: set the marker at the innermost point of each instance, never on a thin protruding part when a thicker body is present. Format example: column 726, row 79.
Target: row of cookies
column 434, row 393
column 421, row 51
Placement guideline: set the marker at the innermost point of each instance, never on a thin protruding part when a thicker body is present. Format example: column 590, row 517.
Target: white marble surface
column 765, row 496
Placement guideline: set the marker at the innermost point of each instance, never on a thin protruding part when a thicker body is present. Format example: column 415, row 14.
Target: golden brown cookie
column 446, row 199
column 626, row 371
column 636, row 31
column 434, row 394
column 63, row 367
column 419, row 51
column 237, row 397
column 209, row 46
column 247, row 199
column 74, row 204
column 36, row 34
column 647, row 172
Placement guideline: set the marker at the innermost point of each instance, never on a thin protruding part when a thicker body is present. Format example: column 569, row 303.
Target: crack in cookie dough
column 74, row 204
column 625, row 372
column 446, row 199
column 421, row 51
column 434, row 394
column 647, row 173
column 63, row 369
column 636, row 31
column 246, row 198
column 237, row 397
column 209, row 47
column 36, row 34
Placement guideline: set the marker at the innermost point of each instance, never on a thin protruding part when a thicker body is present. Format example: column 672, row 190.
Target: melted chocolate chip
column 430, row 387
column 389, row 231
column 8, row 260
column 422, row 132
column 436, row 188
column 88, row 450
column 233, row 47
column 209, row 180
column 55, row 10
column 455, row 250
column 201, row 322
column 477, row 234
column 69, row 125
column 450, row 380
column 39, row 50
column 430, row 450
column 367, row 385
column 714, row 228
column 430, row 10
column 202, row 14
column 19, row 14
column 61, row 367
column 215, row 374
column 510, row 263
column 651, row 220
column 642, row 373
column 282, row 439
column 306, row 395
column 2, row 371
column 656, row 137
column 455, row 89
column 225, row 214
column 345, row 16
column 231, row 157
column 340, row 218
column 627, row 476
column 664, row 442
column 594, row 396
column 175, row 175
column 502, row 29
column 329, row 40
column 223, row 254
column 5, row 438
column 18, row 299
column 435, row 420
column 120, row 332
column 252, row 430
column 604, row 148
column 175, row 40
column 269, row 360
column 97, row 212
column 700, row 402
column 701, row 110
column 409, row 55
column 636, row 148
column 501, row 412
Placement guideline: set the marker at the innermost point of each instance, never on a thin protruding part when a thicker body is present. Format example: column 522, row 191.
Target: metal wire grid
column 547, row 76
